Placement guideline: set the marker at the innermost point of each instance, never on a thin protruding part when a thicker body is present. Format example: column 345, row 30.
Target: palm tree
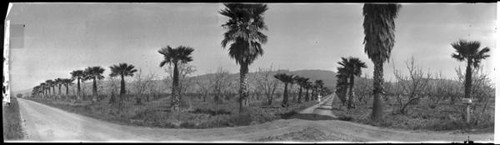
column 123, row 70
column 342, row 84
column 379, row 30
column 301, row 81
column 94, row 73
column 50, row 84
column 352, row 67
column 245, row 39
column 67, row 83
column 78, row 75
column 181, row 54
column 308, row 86
column 469, row 52
column 43, row 87
column 318, row 84
column 85, row 77
column 58, row 83
column 286, row 79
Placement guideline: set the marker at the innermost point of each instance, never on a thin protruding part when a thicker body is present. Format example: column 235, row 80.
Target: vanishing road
column 44, row 123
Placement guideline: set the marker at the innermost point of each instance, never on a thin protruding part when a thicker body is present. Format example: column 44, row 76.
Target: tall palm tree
column 342, row 84
column 301, row 81
column 286, row 79
column 469, row 52
column 379, row 38
column 78, row 75
column 245, row 39
column 353, row 69
column 122, row 70
column 181, row 54
column 94, row 73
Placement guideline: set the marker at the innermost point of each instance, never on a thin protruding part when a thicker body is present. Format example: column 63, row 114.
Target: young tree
column 266, row 83
column 142, row 84
column 413, row 87
column 379, row 40
column 221, row 83
column 179, row 55
column 245, row 39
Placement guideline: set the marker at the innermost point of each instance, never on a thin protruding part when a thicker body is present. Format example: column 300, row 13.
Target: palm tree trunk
column 175, row 89
column 79, row 92
column 94, row 92
column 54, row 90
column 285, row 95
column 60, row 85
column 122, row 88
column 307, row 95
column 243, row 86
column 351, row 85
column 378, row 80
column 468, row 78
column 300, row 95
column 67, row 89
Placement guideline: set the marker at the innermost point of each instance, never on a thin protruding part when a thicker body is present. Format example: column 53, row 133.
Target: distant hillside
column 328, row 78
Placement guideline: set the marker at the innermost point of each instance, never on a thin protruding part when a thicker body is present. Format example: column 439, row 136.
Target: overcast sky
column 60, row 38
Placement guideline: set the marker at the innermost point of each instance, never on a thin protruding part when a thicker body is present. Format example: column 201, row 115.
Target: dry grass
column 443, row 117
column 12, row 127
column 195, row 113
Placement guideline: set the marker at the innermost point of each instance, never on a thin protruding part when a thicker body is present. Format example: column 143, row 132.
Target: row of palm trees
column 93, row 73
column 244, row 40
column 348, row 70
column 45, row 88
column 316, row 88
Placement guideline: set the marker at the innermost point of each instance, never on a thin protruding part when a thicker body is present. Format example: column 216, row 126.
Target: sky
column 60, row 38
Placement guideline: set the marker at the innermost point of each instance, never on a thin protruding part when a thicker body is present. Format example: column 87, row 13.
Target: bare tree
column 363, row 88
column 221, row 84
column 113, row 84
column 266, row 83
column 143, row 85
column 409, row 89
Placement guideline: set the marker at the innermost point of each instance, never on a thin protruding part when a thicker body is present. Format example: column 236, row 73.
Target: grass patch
column 12, row 127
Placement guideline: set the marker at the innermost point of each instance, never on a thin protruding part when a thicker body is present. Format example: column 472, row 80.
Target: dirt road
column 44, row 123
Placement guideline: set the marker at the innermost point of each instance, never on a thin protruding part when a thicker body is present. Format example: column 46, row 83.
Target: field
column 154, row 111
column 12, row 128
column 424, row 115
